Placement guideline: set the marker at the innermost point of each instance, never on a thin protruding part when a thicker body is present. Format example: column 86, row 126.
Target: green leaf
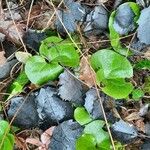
column 82, row 116
column 137, row 94
column 102, row 137
column 143, row 64
column 57, row 50
column 4, row 127
column 115, row 37
column 39, row 71
column 117, row 88
column 5, row 136
column 86, row 142
column 111, row 65
column 17, row 86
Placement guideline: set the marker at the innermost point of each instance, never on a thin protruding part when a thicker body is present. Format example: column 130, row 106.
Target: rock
column 65, row 135
column 92, row 104
column 96, row 21
column 124, row 132
column 144, row 3
column 143, row 31
column 51, row 109
column 33, row 39
column 6, row 68
column 124, row 19
column 70, row 89
column 27, row 116
column 74, row 13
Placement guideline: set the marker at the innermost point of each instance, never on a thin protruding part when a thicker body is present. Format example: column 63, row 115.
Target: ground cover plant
column 74, row 75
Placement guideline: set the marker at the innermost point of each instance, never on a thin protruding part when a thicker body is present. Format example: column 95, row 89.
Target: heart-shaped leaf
column 57, row 50
column 39, row 71
column 111, row 65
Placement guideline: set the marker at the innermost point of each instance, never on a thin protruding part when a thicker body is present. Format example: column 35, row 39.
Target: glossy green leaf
column 17, row 86
column 117, row 88
column 57, row 50
column 39, row 71
column 86, row 142
column 111, row 65
column 102, row 137
column 82, row 116
column 137, row 94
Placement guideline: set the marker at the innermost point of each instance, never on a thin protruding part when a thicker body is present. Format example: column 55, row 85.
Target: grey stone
column 124, row 19
column 65, row 135
column 25, row 107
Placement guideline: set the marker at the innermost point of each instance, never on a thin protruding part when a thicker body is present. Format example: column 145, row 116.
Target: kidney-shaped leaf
column 111, row 64
column 39, row 71
column 57, row 50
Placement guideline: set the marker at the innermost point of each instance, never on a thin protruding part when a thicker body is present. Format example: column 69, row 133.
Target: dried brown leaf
column 86, row 73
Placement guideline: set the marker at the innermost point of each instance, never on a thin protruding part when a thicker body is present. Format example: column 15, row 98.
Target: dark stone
column 65, row 135
column 124, row 132
column 124, row 19
column 33, row 39
column 51, row 109
column 143, row 31
column 96, row 21
column 73, row 13
column 27, row 116
column 6, row 68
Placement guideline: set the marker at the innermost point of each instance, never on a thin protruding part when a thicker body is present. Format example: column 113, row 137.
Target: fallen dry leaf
column 86, row 73
column 45, row 139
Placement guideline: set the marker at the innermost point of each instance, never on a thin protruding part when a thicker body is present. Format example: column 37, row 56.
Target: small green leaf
column 102, row 137
column 137, row 94
column 4, row 127
column 112, row 64
column 82, row 116
column 5, row 136
column 57, row 50
column 117, row 88
column 143, row 64
column 22, row 56
column 39, row 71
column 17, row 86
column 86, row 142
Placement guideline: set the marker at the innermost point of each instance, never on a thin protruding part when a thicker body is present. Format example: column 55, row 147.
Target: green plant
column 93, row 137
column 137, row 94
column 111, row 70
column 54, row 53
column 114, row 35
column 6, row 138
